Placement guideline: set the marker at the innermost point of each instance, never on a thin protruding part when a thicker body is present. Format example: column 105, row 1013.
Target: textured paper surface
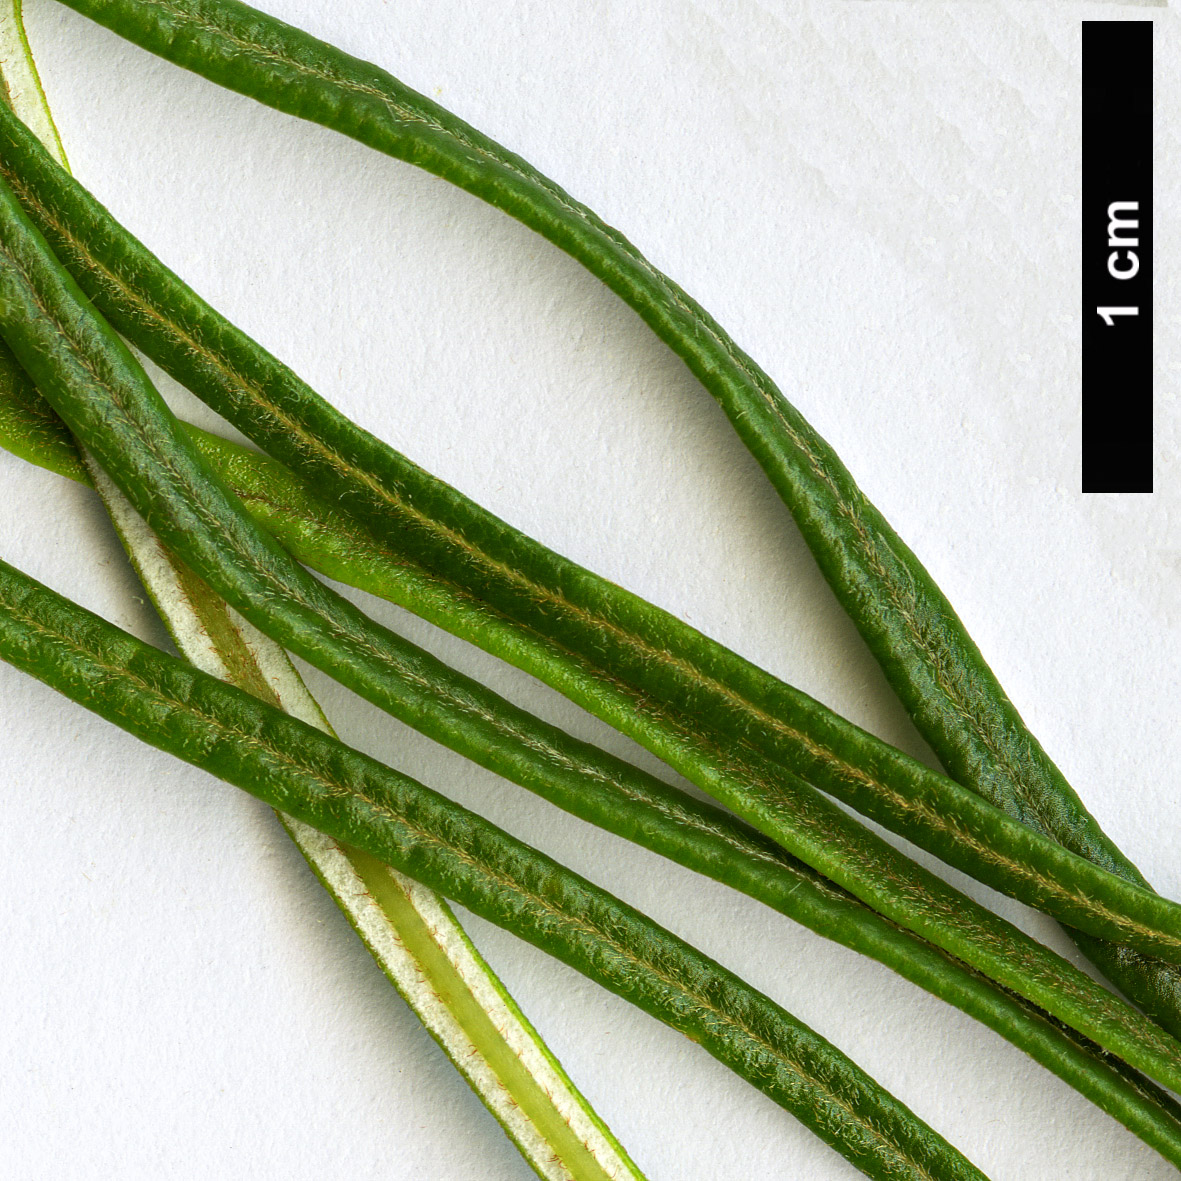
column 879, row 201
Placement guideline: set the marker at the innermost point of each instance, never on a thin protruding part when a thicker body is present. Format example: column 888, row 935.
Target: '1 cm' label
column 1123, row 236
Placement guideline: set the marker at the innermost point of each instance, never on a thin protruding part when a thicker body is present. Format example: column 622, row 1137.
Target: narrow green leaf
column 410, row 930
column 361, row 803
column 934, row 666
column 711, row 842
column 91, row 378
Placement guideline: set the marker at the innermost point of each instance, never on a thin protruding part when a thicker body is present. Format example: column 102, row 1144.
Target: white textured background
column 880, row 202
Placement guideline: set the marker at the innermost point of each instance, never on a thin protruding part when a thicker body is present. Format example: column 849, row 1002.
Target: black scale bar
column 1117, row 256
